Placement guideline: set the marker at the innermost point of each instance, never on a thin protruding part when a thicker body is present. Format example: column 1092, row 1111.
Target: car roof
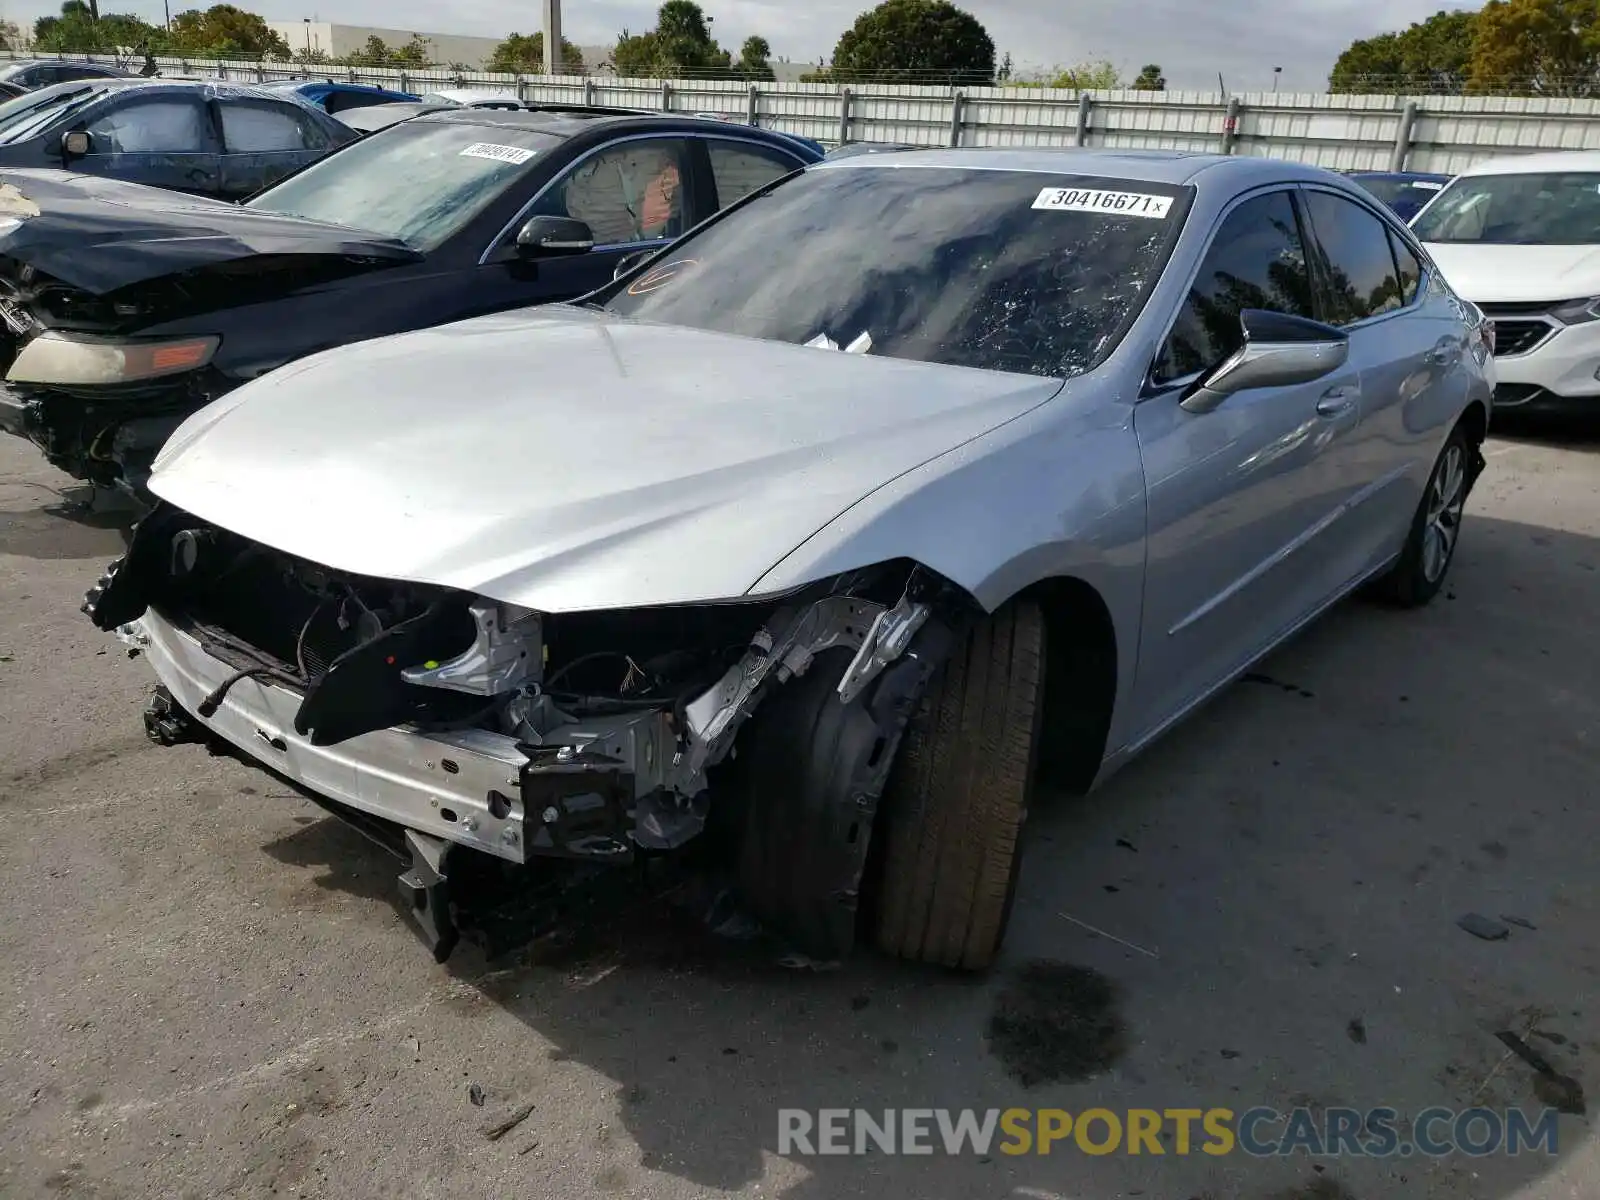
column 1172, row 167
column 1533, row 164
column 568, row 122
column 472, row 95
column 1400, row 176
column 295, row 85
column 210, row 88
column 18, row 64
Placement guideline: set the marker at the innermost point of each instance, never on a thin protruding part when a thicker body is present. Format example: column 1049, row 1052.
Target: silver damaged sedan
column 801, row 550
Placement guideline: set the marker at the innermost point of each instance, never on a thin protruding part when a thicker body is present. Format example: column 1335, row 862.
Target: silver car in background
column 828, row 528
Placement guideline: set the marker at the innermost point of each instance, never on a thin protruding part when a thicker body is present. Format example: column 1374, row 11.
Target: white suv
column 1520, row 237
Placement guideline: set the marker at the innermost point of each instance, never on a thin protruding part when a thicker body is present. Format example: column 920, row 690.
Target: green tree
column 755, row 59
column 680, row 44
column 523, row 54
column 1430, row 56
column 908, row 39
column 1536, row 48
column 1085, row 77
column 415, row 53
column 224, row 31
column 77, row 31
column 378, row 53
column 1150, row 79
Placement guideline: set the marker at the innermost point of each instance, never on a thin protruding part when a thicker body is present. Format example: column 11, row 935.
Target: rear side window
column 256, row 128
column 1358, row 267
column 149, row 127
column 1256, row 260
column 1410, row 269
column 740, row 168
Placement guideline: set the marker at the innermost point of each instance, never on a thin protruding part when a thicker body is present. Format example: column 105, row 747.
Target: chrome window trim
column 685, row 135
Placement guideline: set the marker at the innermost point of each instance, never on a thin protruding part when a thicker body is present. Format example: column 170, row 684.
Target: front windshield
column 419, row 181
column 1038, row 274
column 1553, row 208
column 32, row 112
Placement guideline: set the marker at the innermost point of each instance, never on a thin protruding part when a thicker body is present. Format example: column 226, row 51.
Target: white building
column 338, row 40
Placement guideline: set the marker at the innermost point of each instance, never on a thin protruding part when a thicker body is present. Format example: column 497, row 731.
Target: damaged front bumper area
column 449, row 721
column 108, row 439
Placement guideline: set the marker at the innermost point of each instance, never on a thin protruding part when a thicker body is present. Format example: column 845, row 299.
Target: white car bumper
column 1563, row 364
column 436, row 783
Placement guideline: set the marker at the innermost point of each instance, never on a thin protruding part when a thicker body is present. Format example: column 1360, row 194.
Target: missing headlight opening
column 549, row 742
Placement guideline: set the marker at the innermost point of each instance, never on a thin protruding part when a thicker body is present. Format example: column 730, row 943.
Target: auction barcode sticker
column 510, row 154
column 1121, row 204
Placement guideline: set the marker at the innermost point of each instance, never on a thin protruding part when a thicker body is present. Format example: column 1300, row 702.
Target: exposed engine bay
column 458, row 721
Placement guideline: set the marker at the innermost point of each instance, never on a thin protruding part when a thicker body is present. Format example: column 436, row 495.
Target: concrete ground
column 207, row 989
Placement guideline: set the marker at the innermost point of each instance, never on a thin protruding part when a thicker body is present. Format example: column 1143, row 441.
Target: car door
column 1236, row 496
column 1404, row 352
column 737, row 168
column 263, row 141
column 635, row 193
column 162, row 139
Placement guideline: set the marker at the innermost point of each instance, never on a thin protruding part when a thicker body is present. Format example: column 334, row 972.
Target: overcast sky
column 1191, row 39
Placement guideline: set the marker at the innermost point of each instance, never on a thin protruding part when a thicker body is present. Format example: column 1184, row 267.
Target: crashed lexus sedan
column 816, row 538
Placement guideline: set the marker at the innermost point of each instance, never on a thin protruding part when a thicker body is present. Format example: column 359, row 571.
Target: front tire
column 1435, row 530
column 957, row 800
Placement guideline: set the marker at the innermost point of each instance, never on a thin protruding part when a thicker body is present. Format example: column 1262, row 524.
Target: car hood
column 104, row 234
column 1497, row 274
column 563, row 460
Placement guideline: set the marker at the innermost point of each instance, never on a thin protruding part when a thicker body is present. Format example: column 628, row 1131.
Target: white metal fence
column 1422, row 133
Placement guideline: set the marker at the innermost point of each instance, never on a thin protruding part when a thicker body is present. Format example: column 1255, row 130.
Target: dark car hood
column 103, row 234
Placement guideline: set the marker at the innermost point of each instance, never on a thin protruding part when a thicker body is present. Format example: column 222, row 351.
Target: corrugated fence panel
column 1002, row 117
column 1345, row 132
column 1136, row 121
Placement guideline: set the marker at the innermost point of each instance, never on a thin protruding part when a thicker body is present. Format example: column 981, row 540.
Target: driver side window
column 1256, row 260
column 156, row 126
column 631, row 192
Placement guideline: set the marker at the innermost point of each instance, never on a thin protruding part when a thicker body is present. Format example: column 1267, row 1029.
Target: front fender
column 1058, row 492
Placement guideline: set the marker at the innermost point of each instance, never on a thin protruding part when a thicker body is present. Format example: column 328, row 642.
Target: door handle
column 1337, row 401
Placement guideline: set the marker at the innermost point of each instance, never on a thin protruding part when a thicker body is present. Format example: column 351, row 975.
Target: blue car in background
column 333, row 97
column 211, row 139
column 1405, row 192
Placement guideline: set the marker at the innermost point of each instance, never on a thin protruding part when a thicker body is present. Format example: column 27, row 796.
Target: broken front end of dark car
column 755, row 738
column 124, row 309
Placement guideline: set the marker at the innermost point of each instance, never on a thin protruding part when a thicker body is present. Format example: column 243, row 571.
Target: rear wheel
column 1435, row 529
column 955, row 805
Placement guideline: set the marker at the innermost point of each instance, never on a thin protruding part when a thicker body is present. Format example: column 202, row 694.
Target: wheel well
column 1080, row 680
column 1475, row 423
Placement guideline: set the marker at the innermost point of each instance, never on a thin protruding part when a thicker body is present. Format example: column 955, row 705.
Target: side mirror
column 550, row 237
column 1278, row 351
column 76, row 144
column 629, row 261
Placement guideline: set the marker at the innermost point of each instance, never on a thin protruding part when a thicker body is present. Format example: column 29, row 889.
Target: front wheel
column 1431, row 546
column 958, row 797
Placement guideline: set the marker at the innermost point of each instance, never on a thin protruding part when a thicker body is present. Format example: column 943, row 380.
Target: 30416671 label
column 1111, row 204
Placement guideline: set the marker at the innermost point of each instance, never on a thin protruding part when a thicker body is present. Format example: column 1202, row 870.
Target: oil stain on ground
column 1055, row 1022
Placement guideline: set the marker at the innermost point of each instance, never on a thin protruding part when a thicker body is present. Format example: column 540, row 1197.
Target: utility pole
column 552, row 37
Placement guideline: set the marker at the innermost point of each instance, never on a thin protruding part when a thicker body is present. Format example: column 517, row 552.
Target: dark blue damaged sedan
column 209, row 139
